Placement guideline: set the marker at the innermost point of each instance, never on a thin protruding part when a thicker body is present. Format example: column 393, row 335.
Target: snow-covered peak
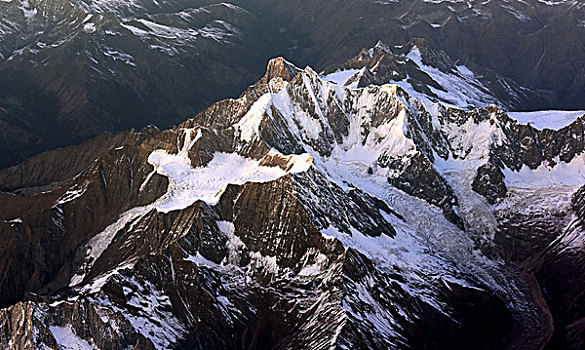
column 384, row 130
column 323, row 114
column 431, row 75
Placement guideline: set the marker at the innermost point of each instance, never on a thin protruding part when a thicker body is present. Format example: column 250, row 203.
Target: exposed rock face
column 302, row 215
column 66, row 217
column 561, row 278
column 489, row 182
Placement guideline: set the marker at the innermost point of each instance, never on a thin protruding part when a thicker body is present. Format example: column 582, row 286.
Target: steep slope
column 72, row 69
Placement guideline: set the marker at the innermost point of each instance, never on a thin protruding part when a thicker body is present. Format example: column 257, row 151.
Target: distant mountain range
column 71, row 70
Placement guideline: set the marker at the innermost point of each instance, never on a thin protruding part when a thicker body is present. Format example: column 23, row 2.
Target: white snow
column 234, row 244
column 554, row 120
column 200, row 260
column 267, row 264
column 27, row 11
column 120, row 56
column 170, row 39
column 70, row 195
column 68, row 340
column 188, row 185
column 375, row 316
column 226, row 227
column 98, row 243
column 316, row 267
column 152, row 317
column 462, row 89
column 250, row 122
column 561, row 174
column 299, row 121
column 97, row 283
column 426, row 243
column 426, row 246
column 89, row 28
column 341, row 77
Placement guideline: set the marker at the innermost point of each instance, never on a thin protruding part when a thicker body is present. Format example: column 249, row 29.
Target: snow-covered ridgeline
column 348, row 161
column 188, row 185
column 460, row 87
column 468, row 142
column 352, row 163
column 552, row 120
column 471, row 142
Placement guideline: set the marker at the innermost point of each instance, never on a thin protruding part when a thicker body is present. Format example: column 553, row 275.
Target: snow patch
column 462, row 90
column 89, row 28
column 98, row 243
column 267, row 264
column 249, row 125
column 561, row 174
column 152, row 318
column 188, row 185
column 340, row 77
column 120, row 56
column 200, row 260
column 70, row 195
column 68, row 340
column 234, row 244
column 553, row 120
column 315, row 268
column 27, row 11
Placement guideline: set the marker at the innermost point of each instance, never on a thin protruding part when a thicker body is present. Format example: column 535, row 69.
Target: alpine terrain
column 389, row 203
column 71, row 70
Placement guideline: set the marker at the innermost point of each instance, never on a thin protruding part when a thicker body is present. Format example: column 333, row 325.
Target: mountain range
column 307, row 213
column 419, row 188
column 74, row 69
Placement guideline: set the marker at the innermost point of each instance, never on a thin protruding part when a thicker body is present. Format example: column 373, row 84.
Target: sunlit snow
column 189, row 185
column 561, row 174
column 341, row 77
column 554, row 120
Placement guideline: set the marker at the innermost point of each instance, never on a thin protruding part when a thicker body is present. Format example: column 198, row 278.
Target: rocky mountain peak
column 279, row 68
